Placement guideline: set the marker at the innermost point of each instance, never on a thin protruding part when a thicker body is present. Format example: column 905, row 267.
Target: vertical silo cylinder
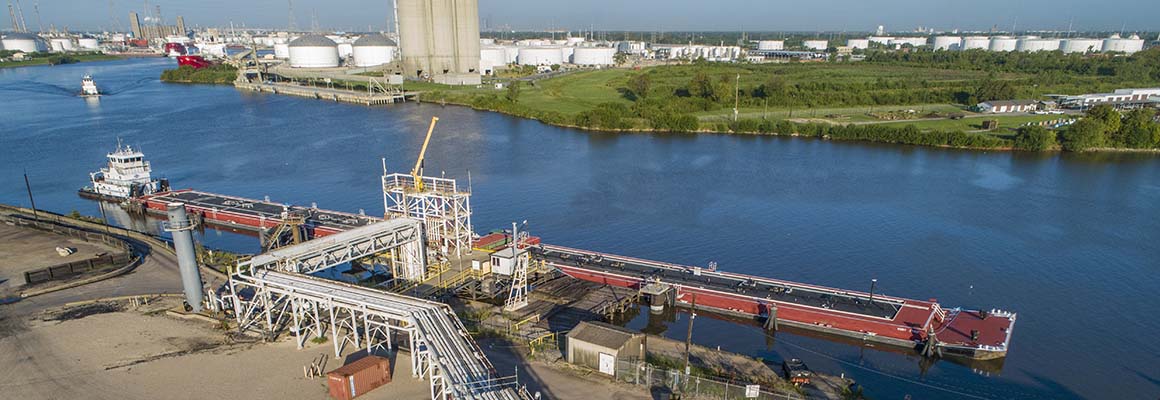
column 467, row 36
column 182, row 230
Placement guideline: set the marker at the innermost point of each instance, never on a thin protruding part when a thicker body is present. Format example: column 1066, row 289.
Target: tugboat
column 89, row 88
column 127, row 176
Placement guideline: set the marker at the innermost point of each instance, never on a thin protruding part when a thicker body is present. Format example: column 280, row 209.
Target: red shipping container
column 354, row 379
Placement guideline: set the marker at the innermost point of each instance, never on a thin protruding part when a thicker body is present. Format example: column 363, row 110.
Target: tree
column 1139, row 130
column 639, row 85
column 1106, row 115
column 774, row 87
column 992, row 89
column 620, row 58
column 1084, row 135
column 702, row 86
column 513, row 92
column 1034, row 138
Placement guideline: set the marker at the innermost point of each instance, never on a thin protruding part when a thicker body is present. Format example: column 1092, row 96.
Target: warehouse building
column 599, row 346
column 1008, row 106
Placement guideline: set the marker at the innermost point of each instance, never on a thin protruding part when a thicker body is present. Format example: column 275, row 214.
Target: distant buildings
column 1121, row 99
column 155, row 31
column 1007, row 106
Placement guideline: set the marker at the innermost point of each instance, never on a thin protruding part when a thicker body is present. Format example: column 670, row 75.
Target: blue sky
column 642, row 15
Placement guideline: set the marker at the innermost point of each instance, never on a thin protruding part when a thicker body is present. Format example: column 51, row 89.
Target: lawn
column 1006, row 122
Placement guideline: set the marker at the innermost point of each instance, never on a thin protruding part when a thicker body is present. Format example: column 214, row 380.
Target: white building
column 373, row 50
column 1007, row 106
column 313, row 51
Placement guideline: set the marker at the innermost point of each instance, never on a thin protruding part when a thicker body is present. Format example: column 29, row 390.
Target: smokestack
column 181, row 228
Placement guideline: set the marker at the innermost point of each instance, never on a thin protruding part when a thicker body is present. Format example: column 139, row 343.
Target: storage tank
column 976, row 43
column 948, row 43
column 816, row 44
column 511, row 54
column 882, row 40
column 1081, row 45
column 490, row 58
column 594, row 56
column 912, row 41
column 373, row 50
column 771, row 45
column 574, row 41
column 566, row 53
column 26, row 42
column 486, row 42
column 88, row 43
column 858, row 43
column 541, row 56
column 281, row 51
column 1120, row 45
column 345, row 50
column 313, row 51
column 1003, row 43
column 61, row 45
column 1036, row 44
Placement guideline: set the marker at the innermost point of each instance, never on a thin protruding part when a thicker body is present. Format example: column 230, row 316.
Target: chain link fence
column 693, row 386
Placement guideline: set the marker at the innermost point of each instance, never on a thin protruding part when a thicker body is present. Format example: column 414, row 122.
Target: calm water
column 1071, row 243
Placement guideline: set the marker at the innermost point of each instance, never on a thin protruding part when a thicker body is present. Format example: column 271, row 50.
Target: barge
column 249, row 214
column 916, row 324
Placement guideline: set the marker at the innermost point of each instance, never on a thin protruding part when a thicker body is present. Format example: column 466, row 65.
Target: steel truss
column 441, row 349
column 403, row 236
column 440, row 204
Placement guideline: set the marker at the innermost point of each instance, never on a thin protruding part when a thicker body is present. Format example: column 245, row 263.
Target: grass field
column 45, row 60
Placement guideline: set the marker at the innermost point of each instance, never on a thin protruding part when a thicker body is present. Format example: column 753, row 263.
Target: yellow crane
column 417, row 172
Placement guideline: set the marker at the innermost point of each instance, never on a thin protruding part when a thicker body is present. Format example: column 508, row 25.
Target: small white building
column 503, row 262
column 1008, row 106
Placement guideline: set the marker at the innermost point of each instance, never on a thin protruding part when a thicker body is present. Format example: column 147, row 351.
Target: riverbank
column 220, row 74
column 59, row 60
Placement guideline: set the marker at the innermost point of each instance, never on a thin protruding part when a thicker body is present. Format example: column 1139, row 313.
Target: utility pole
column 736, row 96
column 873, row 282
column 689, row 335
column 12, row 14
column 293, row 24
column 36, row 10
column 28, row 187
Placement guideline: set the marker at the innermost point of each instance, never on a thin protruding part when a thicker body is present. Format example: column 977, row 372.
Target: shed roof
column 602, row 334
column 373, row 40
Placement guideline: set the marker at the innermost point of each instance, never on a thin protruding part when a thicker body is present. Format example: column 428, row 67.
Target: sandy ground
column 133, row 355
column 24, row 249
column 553, row 382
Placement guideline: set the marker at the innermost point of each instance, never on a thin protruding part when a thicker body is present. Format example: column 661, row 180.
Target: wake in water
column 40, row 87
column 127, row 88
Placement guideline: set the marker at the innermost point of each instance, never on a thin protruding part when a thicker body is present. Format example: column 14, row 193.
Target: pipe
column 181, row 228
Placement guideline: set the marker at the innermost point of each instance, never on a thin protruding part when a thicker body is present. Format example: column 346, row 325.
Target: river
column 1070, row 242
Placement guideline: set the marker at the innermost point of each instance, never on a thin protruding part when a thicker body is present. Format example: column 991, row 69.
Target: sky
column 634, row 15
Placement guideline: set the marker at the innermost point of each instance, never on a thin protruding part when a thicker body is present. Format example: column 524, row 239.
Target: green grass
column 843, row 114
column 45, row 60
column 1006, row 122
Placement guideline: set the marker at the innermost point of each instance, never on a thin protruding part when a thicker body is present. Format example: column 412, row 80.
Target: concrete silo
column 439, row 39
column 373, row 50
column 313, row 51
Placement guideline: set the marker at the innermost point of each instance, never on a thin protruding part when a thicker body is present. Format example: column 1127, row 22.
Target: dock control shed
column 599, row 346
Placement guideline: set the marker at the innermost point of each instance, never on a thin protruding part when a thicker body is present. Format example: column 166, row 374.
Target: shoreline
column 39, row 63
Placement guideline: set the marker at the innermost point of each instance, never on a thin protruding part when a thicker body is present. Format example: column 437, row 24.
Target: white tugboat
column 127, row 176
column 89, row 88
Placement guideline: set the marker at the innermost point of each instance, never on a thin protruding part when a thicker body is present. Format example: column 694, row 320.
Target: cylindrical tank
column 61, row 45
column 493, row 56
column 976, row 43
column 816, row 44
column 345, row 50
column 511, row 54
column 181, row 228
column 947, row 42
column 88, row 43
column 313, row 51
column 1003, row 43
column 25, row 42
column 281, row 50
column 541, row 56
column 486, row 42
column 770, row 44
column 1081, row 45
column 1121, row 45
column 373, row 50
column 566, row 53
column 1036, row 44
column 594, row 56
column 574, row 41
column 858, row 43
column 912, row 41
column 883, row 40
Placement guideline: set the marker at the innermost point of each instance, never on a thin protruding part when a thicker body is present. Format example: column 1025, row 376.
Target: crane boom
column 417, row 172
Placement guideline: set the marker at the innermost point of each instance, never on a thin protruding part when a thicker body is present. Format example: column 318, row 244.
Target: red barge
column 917, row 324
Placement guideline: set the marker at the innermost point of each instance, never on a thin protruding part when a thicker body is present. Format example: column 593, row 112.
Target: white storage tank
column 594, row 56
column 372, row 50
column 25, row 42
column 1034, row 45
column 882, row 40
column 61, row 45
column 816, row 44
column 566, row 53
column 976, row 43
column 88, row 43
column 1120, row 45
column 281, row 51
column 574, row 41
column 345, row 50
column 1003, row 43
column 912, row 41
column 1081, row 45
column 948, row 43
column 313, row 51
column 491, row 58
column 541, row 56
column 511, row 54
column 771, row 45
column 858, row 44
column 486, row 42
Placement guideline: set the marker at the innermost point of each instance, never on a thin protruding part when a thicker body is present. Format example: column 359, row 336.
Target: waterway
column 1070, row 242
